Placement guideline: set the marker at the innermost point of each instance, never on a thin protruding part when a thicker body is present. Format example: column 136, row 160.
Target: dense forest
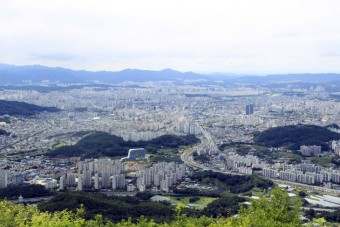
column 27, row 191
column 114, row 208
column 103, row 144
column 331, row 216
column 23, row 109
column 225, row 206
column 280, row 210
column 293, row 136
column 233, row 183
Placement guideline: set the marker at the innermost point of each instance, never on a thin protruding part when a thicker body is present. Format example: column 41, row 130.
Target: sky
column 228, row 36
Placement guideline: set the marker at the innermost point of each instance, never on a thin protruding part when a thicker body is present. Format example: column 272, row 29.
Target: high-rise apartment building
column 3, row 179
column 249, row 109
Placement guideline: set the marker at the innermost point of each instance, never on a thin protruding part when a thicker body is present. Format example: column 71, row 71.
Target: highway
column 187, row 158
column 206, row 141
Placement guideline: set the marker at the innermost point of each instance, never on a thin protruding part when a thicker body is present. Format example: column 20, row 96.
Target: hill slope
column 103, row 144
column 293, row 136
column 11, row 74
column 38, row 73
column 278, row 211
column 22, row 108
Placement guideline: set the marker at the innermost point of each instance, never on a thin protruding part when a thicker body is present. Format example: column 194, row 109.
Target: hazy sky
column 235, row 36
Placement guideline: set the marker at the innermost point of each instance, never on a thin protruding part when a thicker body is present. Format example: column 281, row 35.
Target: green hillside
column 23, row 109
column 27, row 191
column 293, row 136
column 280, row 210
column 232, row 183
column 103, row 144
column 114, row 208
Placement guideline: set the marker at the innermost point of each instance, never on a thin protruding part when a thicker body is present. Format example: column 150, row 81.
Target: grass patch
column 165, row 155
column 185, row 200
column 322, row 161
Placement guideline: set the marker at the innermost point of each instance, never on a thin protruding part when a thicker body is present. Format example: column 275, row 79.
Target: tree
column 278, row 210
column 310, row 214
column 302, row 194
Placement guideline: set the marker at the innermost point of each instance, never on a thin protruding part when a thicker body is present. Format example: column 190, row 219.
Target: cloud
column 54, row 57
column 242, row 36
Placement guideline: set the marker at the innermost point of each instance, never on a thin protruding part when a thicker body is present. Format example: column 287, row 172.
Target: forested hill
column 103, row 144
column 22, row 108
column 279, row 210
column 293, row 136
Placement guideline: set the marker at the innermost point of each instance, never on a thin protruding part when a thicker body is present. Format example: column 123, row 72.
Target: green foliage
column 276, row 211
column 22, row 108
column 114, row 208
column 233, row 183
column 302, row 194
column 294, row 136
column 201, row 158
column 196, row 192
column 332, row 216
column 144, row 195
column 103, row 144
column 165, row 155
column 280, row 210
column 194, row 199
column 27, row 191
column 173, row 141
column 310, row 214
column 16, row 215
column 321, row 161
column 225, row 206
column 336, row 160
column 233, row 144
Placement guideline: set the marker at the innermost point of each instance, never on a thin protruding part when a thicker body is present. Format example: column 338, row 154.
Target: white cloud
column 244, row 36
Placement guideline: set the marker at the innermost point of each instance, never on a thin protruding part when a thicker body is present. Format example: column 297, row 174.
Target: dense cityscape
column 169, row 113
column 216, row 114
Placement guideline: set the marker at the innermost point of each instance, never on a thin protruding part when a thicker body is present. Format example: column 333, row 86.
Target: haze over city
column 243, row 37
column 169, row 113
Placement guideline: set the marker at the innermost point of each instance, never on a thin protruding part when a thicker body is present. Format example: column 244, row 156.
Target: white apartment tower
column 3, row 179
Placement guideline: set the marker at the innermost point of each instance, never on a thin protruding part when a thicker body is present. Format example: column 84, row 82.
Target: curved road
column 187, row 158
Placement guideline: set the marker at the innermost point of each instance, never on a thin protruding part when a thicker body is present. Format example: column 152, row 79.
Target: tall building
column 87, row 179
column 3, row 179
column 80, row 182
column 118, row 181
column 96, row 181
column 310, row 150
column 105, row 180
column 71, row 180
column 249, row 109
column 15, row 178
column 62, row 182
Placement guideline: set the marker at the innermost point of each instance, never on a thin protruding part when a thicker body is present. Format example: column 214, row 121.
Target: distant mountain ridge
column 10, row 74
column 282, row 78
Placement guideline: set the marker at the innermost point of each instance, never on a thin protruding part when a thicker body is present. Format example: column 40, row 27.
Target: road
column 187, row 158
column 206, row 141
